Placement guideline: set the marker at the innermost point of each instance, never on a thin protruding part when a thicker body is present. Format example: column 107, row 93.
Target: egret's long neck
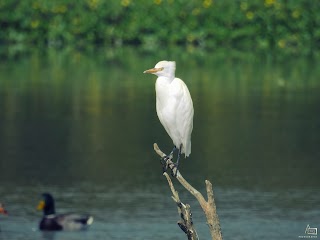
column 162, row 90
column 165, row 80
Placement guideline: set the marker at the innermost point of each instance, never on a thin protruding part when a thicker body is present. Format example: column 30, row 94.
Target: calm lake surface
column 82, row 125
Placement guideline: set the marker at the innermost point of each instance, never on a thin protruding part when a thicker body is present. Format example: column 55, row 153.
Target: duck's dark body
column 48, row 223
column 69, row 221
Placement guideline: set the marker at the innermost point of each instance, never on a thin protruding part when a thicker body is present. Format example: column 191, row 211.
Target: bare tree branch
column 208, row 207
column 186, row 223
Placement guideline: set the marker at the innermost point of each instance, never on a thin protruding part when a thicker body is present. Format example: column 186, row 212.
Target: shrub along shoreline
column 280, row 25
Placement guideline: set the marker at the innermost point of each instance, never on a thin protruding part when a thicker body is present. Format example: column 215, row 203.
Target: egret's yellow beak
column 41, row 205
column 153, row 70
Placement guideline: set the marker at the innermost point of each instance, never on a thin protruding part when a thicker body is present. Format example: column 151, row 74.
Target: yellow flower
column 93, row 4
column 35, row 23
column 190, row 38
column 62, row 8
column 125, row 3
column 75, row 21
column 35, row 5
column 249, row 15
column 269, row 3
column 282, row 43
column 195, row 11
column 295, row 13
column 59, row 9
column 244, row 6
column 207, row 3
column 158, row 2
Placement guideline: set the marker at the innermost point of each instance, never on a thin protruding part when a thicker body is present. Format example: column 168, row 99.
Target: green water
column 81, row 126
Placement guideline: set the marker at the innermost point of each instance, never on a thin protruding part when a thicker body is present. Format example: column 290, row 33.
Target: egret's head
column 163, row 69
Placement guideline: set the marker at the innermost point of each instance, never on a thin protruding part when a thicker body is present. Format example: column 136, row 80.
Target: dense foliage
column 286, row 25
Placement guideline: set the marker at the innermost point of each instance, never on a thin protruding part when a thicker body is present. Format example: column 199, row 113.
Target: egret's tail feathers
column 187, row 149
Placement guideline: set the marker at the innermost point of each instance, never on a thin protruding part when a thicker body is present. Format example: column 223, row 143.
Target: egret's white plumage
column 174, row 105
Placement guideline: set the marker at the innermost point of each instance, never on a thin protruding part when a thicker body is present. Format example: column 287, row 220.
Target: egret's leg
column 174, row 148
column 179, row 154
column 175, row 170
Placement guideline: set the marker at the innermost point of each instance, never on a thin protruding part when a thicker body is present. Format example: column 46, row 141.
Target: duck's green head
column 47, row 204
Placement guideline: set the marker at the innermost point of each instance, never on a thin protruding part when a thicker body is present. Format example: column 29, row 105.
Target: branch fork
column 208, row 207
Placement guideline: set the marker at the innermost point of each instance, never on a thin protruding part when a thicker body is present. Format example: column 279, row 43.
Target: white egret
column 174, row 106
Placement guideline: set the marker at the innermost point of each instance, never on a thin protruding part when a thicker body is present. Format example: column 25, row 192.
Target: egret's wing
column 167, row 116
column 184, row 117
column 166, row 104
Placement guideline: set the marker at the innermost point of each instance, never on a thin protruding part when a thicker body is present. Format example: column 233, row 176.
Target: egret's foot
column 164, row 163
column 174, row 170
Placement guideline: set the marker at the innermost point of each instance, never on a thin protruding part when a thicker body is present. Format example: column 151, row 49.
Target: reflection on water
column 82, row 126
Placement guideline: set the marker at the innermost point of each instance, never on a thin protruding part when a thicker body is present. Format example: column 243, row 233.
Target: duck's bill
column 153, row 70
column 3, row 211
column 41, row 205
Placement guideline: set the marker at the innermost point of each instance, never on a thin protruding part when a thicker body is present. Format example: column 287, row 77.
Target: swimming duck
column 56, row 222
column 3, row 210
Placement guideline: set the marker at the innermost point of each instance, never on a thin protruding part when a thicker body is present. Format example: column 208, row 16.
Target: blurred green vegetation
column 280, row 25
